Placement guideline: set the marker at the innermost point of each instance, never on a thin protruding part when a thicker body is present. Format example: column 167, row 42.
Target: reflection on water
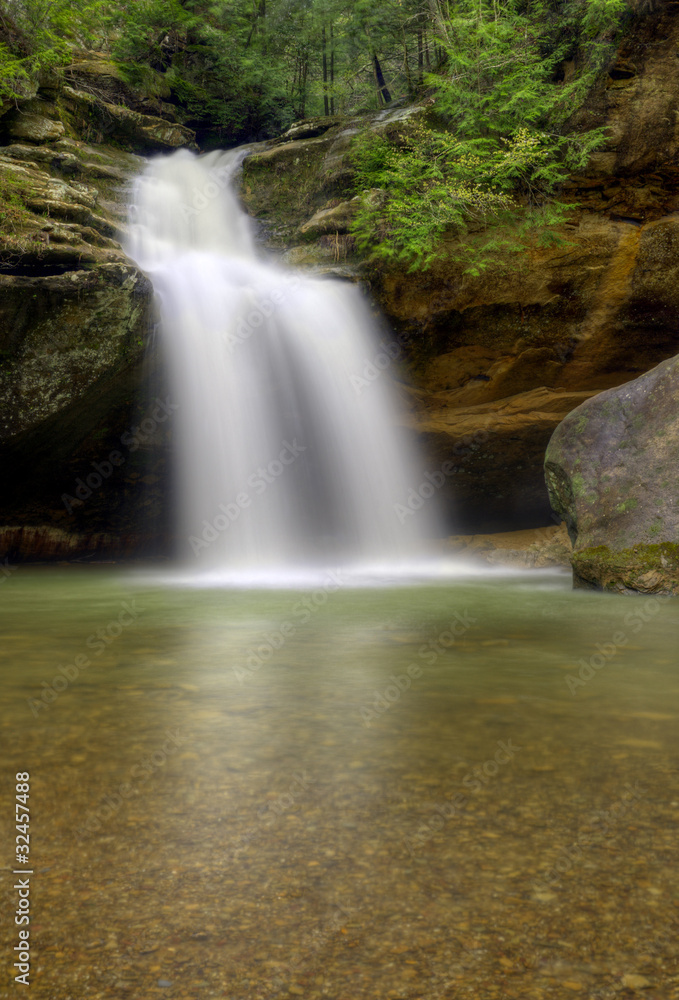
column 452, row 791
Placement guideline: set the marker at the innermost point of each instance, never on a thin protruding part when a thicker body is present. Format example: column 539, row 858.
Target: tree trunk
column 332, row 70
column 262, row 18
column 382, row 89
column 439, row 12
column 304, row 72
column 259, row 13
column 406, row 65
column 326, row 103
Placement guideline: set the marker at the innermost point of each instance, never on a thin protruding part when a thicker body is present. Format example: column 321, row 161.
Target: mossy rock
column 646, row 569
column 612, row 471
column 309, row 170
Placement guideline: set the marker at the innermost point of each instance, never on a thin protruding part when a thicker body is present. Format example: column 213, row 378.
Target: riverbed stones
column 612, row 473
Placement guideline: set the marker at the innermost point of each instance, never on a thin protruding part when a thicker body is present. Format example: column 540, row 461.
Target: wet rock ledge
column 76, row 318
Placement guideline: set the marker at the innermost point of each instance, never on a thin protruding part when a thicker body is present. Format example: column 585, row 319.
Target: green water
column 377, row 808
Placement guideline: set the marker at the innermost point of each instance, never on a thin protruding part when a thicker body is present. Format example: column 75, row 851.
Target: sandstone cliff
column 76, row 318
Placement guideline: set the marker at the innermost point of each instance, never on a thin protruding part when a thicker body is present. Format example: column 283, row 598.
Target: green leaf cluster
column 481, row 173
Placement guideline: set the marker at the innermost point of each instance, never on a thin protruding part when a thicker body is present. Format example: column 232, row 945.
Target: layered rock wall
column 76, row 319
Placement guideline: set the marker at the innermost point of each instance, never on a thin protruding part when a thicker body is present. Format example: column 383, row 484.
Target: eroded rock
column 35, row 128
column 139, row 131
column 60, row 333
column 75, row 316
column 497, row 451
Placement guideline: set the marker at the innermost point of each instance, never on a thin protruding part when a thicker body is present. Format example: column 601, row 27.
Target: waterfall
column 290, row 459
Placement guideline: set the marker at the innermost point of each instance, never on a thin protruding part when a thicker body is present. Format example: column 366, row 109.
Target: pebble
column 365, row 884
column 634, row 982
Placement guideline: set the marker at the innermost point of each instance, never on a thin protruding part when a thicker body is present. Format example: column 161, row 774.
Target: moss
column 14, row 192
column 581, row 425
column 578, row 485
column 285, row 185
column 627, row 506
column 646, row 568
column 649, row 555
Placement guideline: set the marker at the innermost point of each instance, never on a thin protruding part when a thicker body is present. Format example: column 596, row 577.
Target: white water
column 290, row 462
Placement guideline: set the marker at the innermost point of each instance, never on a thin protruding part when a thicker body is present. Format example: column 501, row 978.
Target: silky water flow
column 289, row 460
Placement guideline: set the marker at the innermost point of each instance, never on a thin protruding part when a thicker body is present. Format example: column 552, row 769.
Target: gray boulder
column 612, row 471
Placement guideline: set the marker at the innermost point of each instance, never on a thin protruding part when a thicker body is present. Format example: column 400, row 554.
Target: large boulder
column 612, row 470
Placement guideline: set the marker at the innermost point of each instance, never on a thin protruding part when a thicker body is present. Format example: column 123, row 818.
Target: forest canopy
column 251, row 67
column 501, row 78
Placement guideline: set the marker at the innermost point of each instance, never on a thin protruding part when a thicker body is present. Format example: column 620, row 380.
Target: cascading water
column 289, row 460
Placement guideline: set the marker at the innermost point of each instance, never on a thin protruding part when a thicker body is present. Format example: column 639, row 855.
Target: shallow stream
column 460, row 790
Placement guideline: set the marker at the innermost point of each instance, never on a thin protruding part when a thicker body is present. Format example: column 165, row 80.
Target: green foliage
column 13, row 193
column 238, row 70
column 250, row 67
column 44, row 32
column 13, row 73
column 583, row 31
column 14, row 215
column 488, row 175
column 39, row 35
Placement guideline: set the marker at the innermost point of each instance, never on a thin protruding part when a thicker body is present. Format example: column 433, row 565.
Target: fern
column 493, row 154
